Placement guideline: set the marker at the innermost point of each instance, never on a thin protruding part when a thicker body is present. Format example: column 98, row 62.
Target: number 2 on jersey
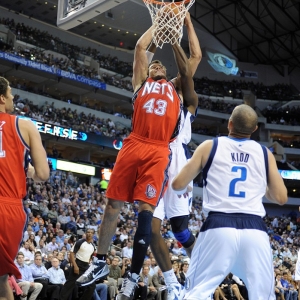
column 159, row 107
column 233, row 182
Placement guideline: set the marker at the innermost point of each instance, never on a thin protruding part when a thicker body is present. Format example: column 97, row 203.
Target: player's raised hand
column 187, row 19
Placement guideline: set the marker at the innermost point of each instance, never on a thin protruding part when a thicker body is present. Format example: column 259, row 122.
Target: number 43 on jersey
column 157, row 107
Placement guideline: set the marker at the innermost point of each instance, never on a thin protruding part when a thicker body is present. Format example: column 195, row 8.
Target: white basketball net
column 167, row 18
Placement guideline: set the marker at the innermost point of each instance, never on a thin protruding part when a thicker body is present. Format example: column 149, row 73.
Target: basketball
column 168, row 24
column 169, row 11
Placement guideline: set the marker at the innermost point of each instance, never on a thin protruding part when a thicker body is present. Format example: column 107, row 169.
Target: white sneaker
column 127, row 289
column 176, row 291
column 97, row 270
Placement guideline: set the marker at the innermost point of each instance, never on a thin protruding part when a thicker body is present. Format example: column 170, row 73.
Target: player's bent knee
column 186, row 238
column 181, row 231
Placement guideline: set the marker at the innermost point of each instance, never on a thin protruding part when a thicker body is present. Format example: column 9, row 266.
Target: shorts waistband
column 237, row 221
column 233, row 215
column 147, row 140
column 11, row 201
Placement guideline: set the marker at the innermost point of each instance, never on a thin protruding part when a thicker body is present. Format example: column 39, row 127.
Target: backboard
column 71, row 13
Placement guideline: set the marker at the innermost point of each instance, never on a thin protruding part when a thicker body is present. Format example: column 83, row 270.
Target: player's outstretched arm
column 194, row 44
column 186, row 79
column 140, row 62
column 192, row 168
column 194, row 59
column 276, row 190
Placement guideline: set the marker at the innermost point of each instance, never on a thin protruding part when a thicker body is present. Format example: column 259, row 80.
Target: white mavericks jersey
column 185, row 133
column 170, row 205
column 235, row 177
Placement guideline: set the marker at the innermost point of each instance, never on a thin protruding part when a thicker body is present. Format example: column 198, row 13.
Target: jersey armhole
column 210, row 159
column 266, row 161
column 19, row 134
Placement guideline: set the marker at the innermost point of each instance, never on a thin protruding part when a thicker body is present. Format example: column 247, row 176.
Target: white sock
column 170, row 277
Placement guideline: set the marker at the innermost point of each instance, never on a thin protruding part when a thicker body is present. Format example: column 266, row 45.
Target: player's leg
column 141, row 243
column 5, row 290
column 170, row 206
column 161, row 254
column 14, row 220
column 254, row 264
column 182, row 233
column 142, row 237
column 157, row 244
column 213, row 257
column 150, row 181
column 99, row 269
column 159, row 247
column 120, row 189
column 108, row 226
column 178, row 210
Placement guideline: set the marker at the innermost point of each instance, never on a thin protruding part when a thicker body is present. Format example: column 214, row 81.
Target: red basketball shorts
column 141, row 171
column 13, row 220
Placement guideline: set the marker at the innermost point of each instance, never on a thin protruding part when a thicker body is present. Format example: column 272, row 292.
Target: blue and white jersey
column 235, row 177
column 185, row 134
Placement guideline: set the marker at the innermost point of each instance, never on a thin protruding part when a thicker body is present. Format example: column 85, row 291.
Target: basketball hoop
column 167, row 18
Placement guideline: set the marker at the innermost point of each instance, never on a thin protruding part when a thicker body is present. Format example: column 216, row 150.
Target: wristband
column 181, row 192
column 149, row 56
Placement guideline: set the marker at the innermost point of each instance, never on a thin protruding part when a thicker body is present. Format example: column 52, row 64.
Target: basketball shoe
column 97, row 270
column 128, row 287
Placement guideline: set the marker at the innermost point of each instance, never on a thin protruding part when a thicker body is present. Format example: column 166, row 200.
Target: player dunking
column 237, row 173
column 140, row 172
column 17, row 137
column 177, row 211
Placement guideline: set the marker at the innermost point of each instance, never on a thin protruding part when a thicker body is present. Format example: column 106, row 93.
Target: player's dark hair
column 3, row 86
column 155, row 62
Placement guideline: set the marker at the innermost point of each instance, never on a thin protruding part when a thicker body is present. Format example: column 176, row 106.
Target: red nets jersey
column 157, row 109
column 12, row 159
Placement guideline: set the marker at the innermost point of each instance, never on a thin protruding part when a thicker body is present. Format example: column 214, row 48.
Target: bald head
column 244, row 120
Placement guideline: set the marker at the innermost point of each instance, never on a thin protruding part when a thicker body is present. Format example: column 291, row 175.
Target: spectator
column 26, row 283
column 40, row 274
column 145, row 288
column 183, row 270
column 127, row 251
column 56, row 276
column 52, row 246
column 160, row 285
column 115, row 273
column 28, row 252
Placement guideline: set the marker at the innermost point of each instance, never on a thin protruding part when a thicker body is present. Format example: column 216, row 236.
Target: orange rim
column 165, row 3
